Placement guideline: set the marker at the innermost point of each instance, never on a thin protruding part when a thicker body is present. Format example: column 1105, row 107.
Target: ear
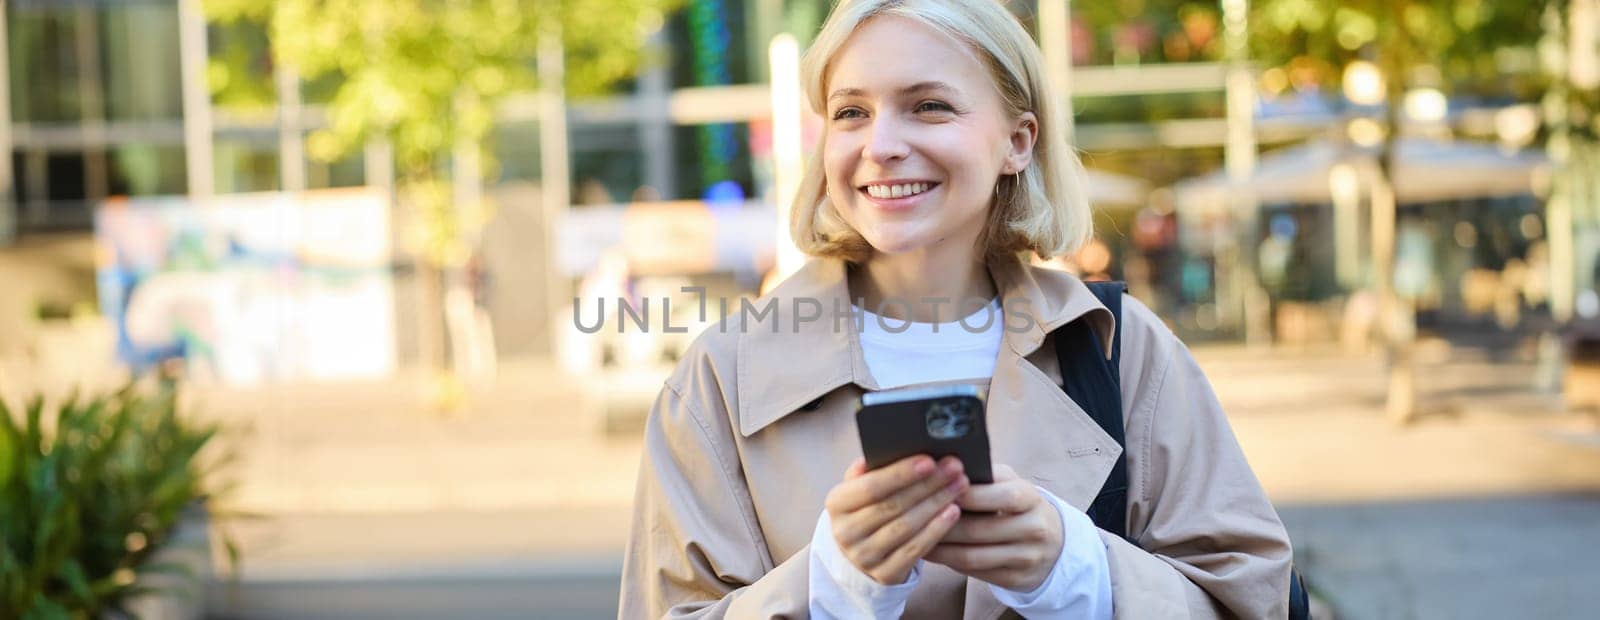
column 1019, row 144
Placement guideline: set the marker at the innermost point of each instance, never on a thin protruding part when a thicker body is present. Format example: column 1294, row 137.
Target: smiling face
column 917, row 136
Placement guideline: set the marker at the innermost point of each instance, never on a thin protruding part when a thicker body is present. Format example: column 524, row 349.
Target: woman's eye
column 847, row 113
column 933, row 106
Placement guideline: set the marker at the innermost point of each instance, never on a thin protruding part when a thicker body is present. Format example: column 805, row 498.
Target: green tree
column 425, row 77
column 1470, row 47
column 1145, row 31
column 1457, row 46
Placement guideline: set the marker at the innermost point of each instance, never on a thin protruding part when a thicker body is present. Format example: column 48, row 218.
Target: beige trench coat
column 756, row 424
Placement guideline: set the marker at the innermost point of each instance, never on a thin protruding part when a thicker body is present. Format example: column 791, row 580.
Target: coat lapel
column 1032, row 421
column 1033, row 425
column 786, row 361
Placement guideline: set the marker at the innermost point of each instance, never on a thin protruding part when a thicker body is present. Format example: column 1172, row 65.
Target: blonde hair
column 1043, row 209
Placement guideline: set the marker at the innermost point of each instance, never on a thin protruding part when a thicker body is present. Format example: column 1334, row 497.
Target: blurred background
column 371, row 239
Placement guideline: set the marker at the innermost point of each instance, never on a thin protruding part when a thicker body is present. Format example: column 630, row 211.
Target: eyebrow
column 914, row 88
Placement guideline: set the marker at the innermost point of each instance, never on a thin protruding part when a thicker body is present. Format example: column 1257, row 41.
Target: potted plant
column 92, row 495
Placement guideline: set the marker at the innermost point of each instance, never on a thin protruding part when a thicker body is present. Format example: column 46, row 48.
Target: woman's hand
column 1015, row 546
column 886, row 519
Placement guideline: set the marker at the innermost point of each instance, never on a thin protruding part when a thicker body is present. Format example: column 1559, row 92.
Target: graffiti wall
column 251, row 288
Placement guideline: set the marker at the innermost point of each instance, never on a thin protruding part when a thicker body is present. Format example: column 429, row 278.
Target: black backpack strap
column 1094, row 383
column 1299, row 600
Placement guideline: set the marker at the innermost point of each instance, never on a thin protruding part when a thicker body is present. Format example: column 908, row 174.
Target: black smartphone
column 936, row 421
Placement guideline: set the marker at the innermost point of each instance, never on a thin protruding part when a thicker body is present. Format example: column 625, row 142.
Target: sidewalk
column 553, row 564
column 366, row 504
column 1477, row 557
column 1313, row 427
column 1486, row 507
column 528, row 442
column 363, row 493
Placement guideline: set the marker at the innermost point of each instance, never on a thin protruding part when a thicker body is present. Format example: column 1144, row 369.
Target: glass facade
column 347, row 171
column 96, row 108
column 45, row 65
column 606, row 165
column 147, row 169
column 515, row 148
column 96, row 94
column 245, row 166
column 141, row 62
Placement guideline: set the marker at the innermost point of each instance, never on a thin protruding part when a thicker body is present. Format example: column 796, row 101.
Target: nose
column 886, row 142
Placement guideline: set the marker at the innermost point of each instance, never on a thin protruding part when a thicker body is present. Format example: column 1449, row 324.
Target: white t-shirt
column 898, row 351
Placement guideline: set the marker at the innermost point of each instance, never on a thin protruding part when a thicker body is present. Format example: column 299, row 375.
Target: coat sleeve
column 695, row 549
column 1210, row 544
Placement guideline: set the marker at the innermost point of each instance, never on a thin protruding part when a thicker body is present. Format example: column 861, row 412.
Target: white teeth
column 897, row 191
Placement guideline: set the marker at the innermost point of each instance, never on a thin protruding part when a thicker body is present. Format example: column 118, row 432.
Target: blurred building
column 1472, row 249
column 142, row 98
column 136, row 99
column 111, row 98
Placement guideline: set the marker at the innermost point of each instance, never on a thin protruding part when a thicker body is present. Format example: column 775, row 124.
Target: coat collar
column 786, row 360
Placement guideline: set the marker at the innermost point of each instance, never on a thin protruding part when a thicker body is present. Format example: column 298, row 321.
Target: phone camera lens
column 949, row 419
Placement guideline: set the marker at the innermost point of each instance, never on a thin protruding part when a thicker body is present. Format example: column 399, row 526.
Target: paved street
column 1500, row 557
column 369, row 506
column 505, row 564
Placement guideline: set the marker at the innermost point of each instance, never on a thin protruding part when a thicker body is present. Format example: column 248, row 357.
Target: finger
column 968, row 559
column 941, row 488
column 856, row 469
column 893, row 532
column 876, row 485
column 1016, row 496
column 1003, row 473
column 903, row 557
column 997, row 529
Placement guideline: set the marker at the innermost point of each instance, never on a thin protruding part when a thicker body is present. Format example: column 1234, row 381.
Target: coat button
column 813, row 405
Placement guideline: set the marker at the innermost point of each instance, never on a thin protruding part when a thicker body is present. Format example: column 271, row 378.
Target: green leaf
column 235, row 557
column 77, row 582
column 8, row 451
column 46, row 609
column 32, row 433
column 107, row 467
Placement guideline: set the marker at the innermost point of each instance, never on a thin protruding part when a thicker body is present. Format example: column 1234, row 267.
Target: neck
column 923, row 285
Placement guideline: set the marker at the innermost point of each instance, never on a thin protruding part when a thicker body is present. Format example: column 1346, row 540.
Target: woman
column 941, row 164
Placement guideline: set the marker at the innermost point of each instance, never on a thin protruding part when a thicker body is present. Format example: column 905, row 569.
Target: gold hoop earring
column 1016, row 184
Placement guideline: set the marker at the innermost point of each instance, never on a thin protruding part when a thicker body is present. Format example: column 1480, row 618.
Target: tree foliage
column 1474, row 47
column 1124, row 31
column 426, row 75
